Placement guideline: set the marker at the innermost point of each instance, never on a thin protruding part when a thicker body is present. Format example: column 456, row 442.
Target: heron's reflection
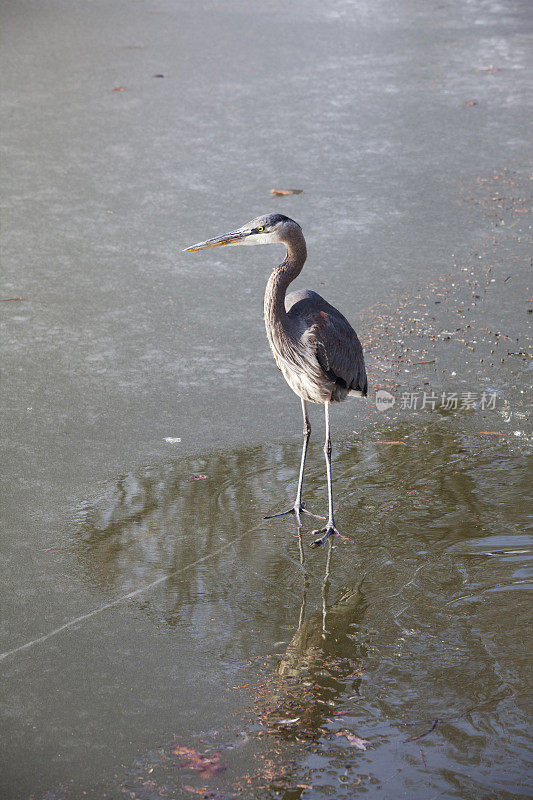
column 223, row 577
column 321, row 662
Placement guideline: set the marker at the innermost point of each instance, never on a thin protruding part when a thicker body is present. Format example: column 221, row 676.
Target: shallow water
column 158, row 637
column 233, row 632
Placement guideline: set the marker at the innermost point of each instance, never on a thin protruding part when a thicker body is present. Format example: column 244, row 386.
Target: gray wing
column 333, row 341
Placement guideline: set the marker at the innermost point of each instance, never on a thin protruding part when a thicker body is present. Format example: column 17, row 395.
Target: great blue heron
column 314, row 346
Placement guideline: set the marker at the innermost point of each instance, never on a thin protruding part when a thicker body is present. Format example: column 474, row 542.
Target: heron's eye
column 261, row 228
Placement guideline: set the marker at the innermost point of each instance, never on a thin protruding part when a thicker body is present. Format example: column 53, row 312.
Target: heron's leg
column 330, row 525
column 298, row 507
column 307, row 436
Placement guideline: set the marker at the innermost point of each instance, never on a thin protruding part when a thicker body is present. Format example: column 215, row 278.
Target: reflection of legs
column 325, row 590
column 306, row 579
column 298, row 507
column 330, row 525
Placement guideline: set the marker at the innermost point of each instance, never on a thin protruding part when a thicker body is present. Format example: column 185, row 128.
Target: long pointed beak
column 234, row 237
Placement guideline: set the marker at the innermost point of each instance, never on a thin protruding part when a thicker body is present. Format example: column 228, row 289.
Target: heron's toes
column 297, row 510
column 310, row 514
column 328, row 531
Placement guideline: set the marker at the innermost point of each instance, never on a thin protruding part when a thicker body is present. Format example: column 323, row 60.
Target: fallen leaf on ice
column 355, row 741
column 284, row 192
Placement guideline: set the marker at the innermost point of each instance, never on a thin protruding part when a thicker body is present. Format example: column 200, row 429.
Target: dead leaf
column 285, row 192
column 180, row 750
column 119, row 89
column 206, row 766
column 492, row 433
column 355, row 741
column 469, row 103
column 382, row 441
column 203, row 790
column 425, row 733
column 11, row 299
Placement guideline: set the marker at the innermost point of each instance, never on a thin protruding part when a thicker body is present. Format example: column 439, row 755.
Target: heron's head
column 267, row 229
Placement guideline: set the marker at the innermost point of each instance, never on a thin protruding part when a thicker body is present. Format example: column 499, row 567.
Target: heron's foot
column 298, row 509
column 328, row 531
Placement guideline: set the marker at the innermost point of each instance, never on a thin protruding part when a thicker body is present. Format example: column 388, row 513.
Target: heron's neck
column 281, row 277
